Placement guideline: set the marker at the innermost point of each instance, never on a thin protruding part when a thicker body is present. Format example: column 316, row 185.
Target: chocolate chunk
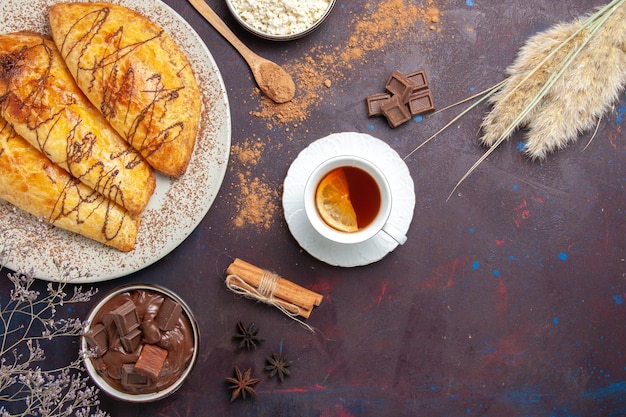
column 126, row 318
column 399, row 85
column 374, row 102
column 395, row 111
column 97, row 338
column 133, row 379
column 168, row 314
column 418, row 79
column 131, row 341
column 151, row 361
column 112, row 332
column 421, row 102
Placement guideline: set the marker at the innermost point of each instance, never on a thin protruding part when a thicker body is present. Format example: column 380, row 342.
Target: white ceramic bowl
column 114, row 391
column 280, row 34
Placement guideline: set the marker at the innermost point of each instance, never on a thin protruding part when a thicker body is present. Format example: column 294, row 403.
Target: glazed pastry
column 40, row 99
column 33, row 183
column 136, row 75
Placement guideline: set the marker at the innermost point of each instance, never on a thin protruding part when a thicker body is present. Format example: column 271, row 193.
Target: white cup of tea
column 369, row 195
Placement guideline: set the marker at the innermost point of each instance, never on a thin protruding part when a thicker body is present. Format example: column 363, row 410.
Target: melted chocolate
column 178, row 342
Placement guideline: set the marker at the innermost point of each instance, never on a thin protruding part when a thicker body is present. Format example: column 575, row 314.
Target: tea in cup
column 347, row 199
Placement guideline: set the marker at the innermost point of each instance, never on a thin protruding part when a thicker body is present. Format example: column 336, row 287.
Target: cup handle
column 394, row 233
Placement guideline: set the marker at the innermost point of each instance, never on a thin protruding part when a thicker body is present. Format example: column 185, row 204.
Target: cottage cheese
column 281, row 17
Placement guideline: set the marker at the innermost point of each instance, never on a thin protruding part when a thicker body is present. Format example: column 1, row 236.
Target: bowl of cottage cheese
column 280, row 20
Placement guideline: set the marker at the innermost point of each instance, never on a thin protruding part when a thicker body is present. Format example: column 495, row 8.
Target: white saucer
column 386, row 159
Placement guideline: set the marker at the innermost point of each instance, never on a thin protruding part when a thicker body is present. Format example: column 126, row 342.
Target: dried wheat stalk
column 561, row 83
column 584, row 65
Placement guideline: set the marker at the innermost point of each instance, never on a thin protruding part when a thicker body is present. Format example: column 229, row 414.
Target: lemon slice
column 332, row 198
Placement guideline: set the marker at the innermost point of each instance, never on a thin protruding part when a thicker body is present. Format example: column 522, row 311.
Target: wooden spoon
column 272, row 79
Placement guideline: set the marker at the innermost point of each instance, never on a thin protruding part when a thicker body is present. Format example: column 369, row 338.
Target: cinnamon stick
column 285, row 289
column 238, row 285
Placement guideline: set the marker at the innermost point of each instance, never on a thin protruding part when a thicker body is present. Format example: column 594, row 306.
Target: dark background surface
column 507, row 300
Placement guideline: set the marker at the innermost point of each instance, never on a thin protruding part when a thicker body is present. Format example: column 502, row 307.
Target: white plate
column 176, row 207
column 386, row 159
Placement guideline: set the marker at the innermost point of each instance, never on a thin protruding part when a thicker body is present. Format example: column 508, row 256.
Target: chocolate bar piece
column 374, row 102
column 126, row 318
column 399, row 85
column 133, row 379
column 396, row 112
column 168, row 314
column 421, row 102
column 418, row 79
column 131, row 341
column 151, row 360
column 97, row 338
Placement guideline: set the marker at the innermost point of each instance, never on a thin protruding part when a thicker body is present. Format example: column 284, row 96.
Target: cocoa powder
column 325, row 66
column 256, row 201
column 317, row 74
column 275, row 82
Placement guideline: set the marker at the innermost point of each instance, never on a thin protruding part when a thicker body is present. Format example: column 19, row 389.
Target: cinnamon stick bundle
column 286, row 294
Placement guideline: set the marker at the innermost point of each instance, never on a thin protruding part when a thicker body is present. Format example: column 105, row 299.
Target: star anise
column 277, row 364
column 247, row 336
column 243, row 384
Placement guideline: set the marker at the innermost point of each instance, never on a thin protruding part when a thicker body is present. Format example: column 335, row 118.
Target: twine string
column 267, row 285
column 265, row 294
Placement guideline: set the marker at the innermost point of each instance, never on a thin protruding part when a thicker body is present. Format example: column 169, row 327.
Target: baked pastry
column 40, row 99
column 33, row 183
column 136, row 75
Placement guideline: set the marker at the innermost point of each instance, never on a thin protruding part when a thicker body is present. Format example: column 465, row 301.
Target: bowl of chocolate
column 280, row 20
column 141, row 342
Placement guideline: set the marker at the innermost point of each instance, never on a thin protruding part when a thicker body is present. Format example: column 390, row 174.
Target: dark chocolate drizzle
column 89, row 201
column 120, row 86
column 41, row 118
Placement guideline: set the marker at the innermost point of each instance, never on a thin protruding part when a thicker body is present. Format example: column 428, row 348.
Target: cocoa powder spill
column 256, row 202
column 324, row 66
column 316, row 74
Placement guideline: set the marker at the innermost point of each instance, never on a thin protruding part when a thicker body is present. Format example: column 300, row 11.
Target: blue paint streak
column 371, row 127
column 621, row 111
column 521, row 146
column 616, row 388
column 619, row 299
column 475, row 265
column 555, row 320
column 524, row 397
column 471, row 230
column 515, row 187
column 469, row 2
column 418, row 118
column 496, row 272
column 563, row 256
